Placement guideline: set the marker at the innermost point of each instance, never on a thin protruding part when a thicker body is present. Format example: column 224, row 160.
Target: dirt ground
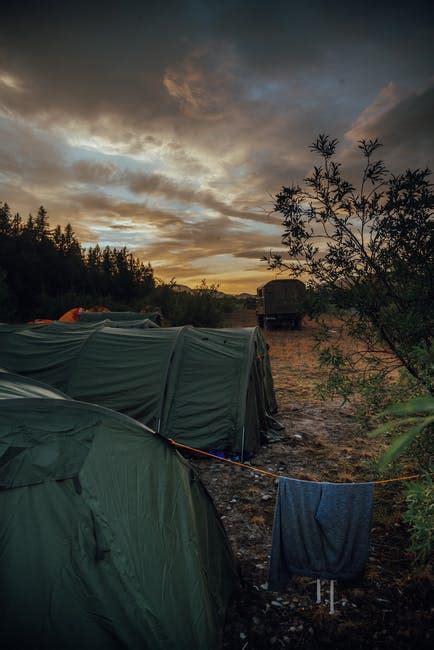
column 390, row 606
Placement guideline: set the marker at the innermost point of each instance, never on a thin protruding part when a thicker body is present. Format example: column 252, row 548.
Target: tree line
column 45, row 271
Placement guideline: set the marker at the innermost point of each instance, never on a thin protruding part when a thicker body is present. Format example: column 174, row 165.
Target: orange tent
column 73, row 315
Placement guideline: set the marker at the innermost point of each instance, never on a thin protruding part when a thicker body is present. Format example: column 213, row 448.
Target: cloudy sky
column 168, row 126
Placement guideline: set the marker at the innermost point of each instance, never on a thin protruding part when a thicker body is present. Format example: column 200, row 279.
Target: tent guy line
column 274, row 475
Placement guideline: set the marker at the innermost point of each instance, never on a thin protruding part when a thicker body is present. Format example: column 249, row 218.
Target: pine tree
column 41, row 228
column 5, row 219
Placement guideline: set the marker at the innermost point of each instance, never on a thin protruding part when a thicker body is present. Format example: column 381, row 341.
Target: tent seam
column 168, row 379
column 75, row 363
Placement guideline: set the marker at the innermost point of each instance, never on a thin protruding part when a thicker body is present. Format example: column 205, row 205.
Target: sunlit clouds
column 167, row 128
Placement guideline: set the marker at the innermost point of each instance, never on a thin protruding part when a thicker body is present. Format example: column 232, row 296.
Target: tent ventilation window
column 10, row 453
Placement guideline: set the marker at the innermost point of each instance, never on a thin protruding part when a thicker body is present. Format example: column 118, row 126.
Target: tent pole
column 332, row 596
column 242, row 444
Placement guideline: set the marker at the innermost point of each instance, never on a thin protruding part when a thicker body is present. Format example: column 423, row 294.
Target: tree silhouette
column 44, row 272
column 372, row 249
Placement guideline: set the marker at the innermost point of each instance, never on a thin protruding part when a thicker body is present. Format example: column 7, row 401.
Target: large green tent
column 108, row 539
column 211, row 389
column 145, row 323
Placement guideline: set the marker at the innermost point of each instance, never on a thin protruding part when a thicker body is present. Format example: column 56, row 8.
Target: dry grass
column 384, row 610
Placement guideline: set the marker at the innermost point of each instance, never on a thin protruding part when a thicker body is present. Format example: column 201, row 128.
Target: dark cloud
column 255, row 253
column 87, row 58
column 157, row 184
column 405, row 126
column 175, row 237
column 103, row 209
column 95, row 172
column 161, row 60
column 26, row 153
column 108, row 174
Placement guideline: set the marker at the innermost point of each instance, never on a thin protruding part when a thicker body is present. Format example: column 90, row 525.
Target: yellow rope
column 398, row 478
column 272, row 474
column 224, row 460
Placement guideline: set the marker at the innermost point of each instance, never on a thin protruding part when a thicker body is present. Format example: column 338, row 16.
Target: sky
column 168, row 127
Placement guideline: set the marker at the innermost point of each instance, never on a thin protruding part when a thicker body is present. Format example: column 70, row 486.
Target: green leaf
column 392, row 424
column 403, row 441
column 416, row 405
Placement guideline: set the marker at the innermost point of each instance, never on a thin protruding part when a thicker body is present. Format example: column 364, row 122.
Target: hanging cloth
column 321, row 530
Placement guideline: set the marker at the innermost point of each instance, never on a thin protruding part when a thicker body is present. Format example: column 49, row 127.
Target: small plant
column 416, row 417
column 413, row 423
column 420, row 516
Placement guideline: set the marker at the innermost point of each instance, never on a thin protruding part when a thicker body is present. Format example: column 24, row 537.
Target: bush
column 370, row 252
column 203, row 307
column 420, row 516
column 412, row 426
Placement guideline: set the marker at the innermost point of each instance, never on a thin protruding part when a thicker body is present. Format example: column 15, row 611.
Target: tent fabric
column 145, row 323
column 108, row 539
column 13, row 386
column 211, row 389
column 122, row 316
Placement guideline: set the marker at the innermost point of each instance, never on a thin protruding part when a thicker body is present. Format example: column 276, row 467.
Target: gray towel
column 320, row 530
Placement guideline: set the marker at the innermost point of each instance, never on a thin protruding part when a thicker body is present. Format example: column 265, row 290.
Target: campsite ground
column 322, row 441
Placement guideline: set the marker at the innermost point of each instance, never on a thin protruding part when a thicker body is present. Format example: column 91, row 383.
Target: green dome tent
column 18, row 386
column 108, row 540
column 211, row 389
column 120, row 316
column 144, row 323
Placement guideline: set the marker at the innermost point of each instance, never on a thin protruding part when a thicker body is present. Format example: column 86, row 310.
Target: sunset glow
column 169, row 131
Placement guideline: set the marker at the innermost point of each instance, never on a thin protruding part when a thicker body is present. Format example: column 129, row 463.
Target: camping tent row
column 108, row 539
column 80, row 315
column 145, row 323
column 119, row 316
column 210, row 389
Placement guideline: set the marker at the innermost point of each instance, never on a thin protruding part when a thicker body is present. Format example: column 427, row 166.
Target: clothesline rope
column 273, row 474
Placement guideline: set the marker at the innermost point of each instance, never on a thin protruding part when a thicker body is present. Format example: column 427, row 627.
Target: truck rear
column 280, row 303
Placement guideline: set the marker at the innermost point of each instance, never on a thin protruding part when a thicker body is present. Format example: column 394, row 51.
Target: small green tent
column 120, row 316
column 211, row 389
column 144, row 323
column 108, row 540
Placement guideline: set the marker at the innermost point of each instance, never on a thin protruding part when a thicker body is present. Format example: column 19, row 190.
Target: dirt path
column 389, row 607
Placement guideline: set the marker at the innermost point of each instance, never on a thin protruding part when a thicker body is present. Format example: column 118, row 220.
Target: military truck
column 281, row 303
